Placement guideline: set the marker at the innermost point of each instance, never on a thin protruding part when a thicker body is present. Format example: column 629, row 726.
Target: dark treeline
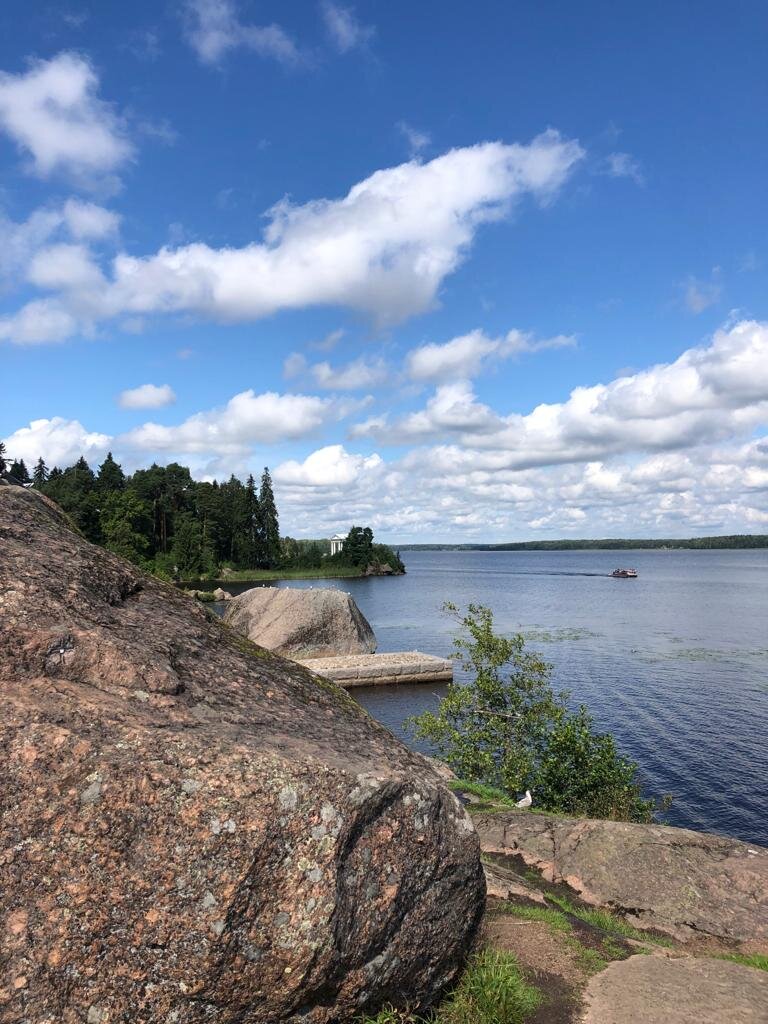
column 177, row 527
column 736, row 540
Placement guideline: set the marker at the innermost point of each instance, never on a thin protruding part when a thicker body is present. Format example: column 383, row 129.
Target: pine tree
column 111, row 476
column 19, row 471
column 2, row 458
column 40, row 474
column 269, row 521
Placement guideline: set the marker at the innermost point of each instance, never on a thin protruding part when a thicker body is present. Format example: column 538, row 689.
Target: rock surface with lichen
column 193, row 829
column 690, row 885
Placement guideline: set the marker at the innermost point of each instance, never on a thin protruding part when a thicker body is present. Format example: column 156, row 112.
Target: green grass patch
column 492, row 990
column 487, row 793
column 605, row 921
column 757, row 960
column 590, row 960
column 554, row 918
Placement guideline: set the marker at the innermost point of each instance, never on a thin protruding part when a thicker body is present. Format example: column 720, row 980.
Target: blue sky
column 462, row 274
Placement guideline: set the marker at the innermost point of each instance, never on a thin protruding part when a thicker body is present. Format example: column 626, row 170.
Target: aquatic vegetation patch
column 565, row 634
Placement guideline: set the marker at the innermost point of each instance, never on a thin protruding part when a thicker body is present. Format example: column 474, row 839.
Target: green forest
column 184, row 529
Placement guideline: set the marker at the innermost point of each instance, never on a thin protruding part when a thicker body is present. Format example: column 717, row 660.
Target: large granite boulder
column 301, row 623
column 193, row 829
column 689, row 884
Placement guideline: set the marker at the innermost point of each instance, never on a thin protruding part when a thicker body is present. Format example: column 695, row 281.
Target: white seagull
column 526, row 801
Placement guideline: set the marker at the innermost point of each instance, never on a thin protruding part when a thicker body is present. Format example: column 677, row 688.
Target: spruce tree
column 110, row 476
column 269, row 521
column 40, row 474
column 19, row 471
column 2, row 458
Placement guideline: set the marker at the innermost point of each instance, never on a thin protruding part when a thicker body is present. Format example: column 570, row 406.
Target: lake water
column 674, row 664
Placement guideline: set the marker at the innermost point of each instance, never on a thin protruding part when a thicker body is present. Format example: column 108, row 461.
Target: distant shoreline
column 729, row 542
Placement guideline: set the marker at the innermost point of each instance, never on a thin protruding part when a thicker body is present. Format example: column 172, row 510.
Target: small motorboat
column 624, row 574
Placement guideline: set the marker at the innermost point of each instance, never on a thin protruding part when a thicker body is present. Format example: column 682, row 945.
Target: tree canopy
column 178, row 527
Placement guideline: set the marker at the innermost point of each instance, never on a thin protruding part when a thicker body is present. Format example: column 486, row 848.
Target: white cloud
column 344, row 29
column 53, row 113
column 709, row 393
column 60, row 442
column 213, row 28
column 87, row 220
column 147, row 396
column 464, row 357
column 245, row 420
column 383, row 249
column 623, row 165
column 711, row 478
column 358, row 375
column 64, row 266
column 417, row 140
column 331, row 466
column 21, row 242
column 39, row 322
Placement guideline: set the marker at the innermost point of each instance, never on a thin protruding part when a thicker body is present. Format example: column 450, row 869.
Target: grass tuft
column 492, row 990
column 758, row 960
column 555, row 918
column 489, row 793
column 605, row 921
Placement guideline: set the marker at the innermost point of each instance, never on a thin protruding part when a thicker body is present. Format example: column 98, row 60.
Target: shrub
column 508, row 728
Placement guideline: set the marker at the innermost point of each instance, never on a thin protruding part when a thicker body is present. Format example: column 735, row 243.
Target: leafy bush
column 508, row 728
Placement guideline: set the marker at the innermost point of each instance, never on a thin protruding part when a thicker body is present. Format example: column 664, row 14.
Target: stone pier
column 351, row 670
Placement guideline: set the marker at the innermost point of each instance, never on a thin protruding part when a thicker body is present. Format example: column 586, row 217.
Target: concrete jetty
column 352, row 670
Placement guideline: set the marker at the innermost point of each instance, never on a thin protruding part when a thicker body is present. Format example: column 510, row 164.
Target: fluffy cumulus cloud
column 708, row 394
column 465, row 356
column 87, row 220
column 53, row 113
column 329, row 467
column 147, row 396
column 213, row 29
column 246, row 420
column 383, row 249
column 73, row 221
column 60, row 442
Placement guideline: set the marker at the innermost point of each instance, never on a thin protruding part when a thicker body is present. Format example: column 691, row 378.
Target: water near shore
column 674, row 664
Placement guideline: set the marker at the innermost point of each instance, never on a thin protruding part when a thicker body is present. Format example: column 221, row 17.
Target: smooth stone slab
column 382, row 669
column 656, row 990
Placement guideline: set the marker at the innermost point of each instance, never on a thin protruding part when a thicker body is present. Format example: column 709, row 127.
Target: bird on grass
column 526, row 801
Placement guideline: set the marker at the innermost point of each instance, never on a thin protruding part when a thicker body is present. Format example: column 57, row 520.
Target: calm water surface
column 674, row 664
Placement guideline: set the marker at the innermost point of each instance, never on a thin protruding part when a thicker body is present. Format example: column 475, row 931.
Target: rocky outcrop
column 687, row 884
column 301, row 623
column 193, row 829
column 650, row 989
